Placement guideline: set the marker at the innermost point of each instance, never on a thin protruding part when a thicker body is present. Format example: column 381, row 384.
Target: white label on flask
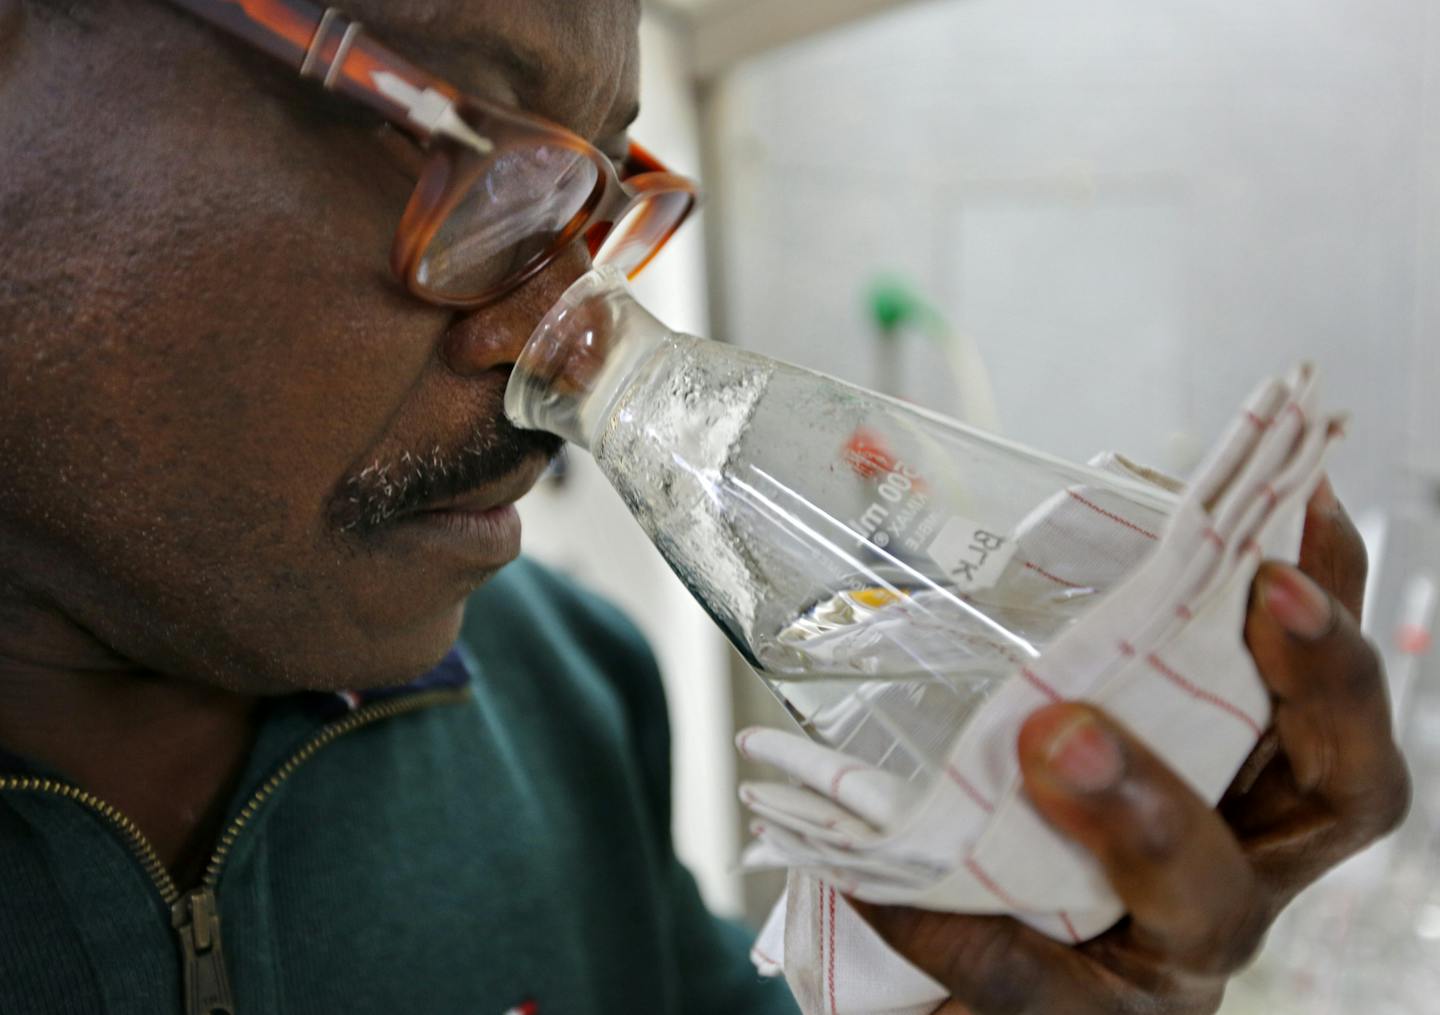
column 973, row 556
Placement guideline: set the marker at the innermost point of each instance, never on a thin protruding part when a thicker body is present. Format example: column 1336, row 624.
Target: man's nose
column 494, row 336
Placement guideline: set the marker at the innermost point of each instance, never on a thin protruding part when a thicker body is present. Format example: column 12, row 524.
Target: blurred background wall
column 1134, row 209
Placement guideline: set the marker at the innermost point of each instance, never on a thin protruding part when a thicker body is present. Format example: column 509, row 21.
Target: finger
column 994, row 965
column 1332, row 711
column 1255, row 765
column 1271, row 805
column 1332, row 552
column 1264, row 794
column 1180, row 872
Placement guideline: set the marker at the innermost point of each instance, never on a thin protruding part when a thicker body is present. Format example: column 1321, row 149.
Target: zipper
column 195, row 916
column 196, row 919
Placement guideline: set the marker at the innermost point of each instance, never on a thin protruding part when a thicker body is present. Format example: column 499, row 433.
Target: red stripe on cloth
column 969, row 788
column 820, row 932
column 1271, row 496
column 1184, row 612
column 1201, row 694
column 1293, row 407
column 1112, row 516
column 1260, row 422
column 1126, row 649
column 1054, row 578
column 744, row 741
column 1040, row 685
column 1069, row 927
column 847, row 770
column 834, row 1009
column 1215, row 538
column 756, row 953
column 990, row 886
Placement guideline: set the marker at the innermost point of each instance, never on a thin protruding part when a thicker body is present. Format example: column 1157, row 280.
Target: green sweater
column 488, row 846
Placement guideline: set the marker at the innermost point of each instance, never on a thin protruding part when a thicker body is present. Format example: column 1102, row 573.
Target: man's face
column 224, row 419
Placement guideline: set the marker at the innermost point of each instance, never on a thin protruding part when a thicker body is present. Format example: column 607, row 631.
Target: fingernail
column 1296, row 603
column 1323, row 501
column 1084, row 756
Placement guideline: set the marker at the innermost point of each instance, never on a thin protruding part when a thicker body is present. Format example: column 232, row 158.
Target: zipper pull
column 207, row 985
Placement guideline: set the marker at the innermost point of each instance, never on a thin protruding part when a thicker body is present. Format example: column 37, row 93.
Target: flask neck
column 581, row 358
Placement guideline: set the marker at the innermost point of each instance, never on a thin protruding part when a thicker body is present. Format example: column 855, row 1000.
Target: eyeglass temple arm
column 331, row 48
column 639, row 160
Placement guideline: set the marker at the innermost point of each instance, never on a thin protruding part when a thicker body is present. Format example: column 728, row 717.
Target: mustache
column 384, row 491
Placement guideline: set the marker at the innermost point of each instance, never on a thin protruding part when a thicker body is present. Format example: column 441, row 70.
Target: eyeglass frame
column 329, row 47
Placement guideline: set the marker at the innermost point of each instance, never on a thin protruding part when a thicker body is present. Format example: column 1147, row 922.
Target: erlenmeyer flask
column 881, row 567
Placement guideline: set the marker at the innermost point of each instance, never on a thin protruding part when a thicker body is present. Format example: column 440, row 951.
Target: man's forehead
column 573, row 61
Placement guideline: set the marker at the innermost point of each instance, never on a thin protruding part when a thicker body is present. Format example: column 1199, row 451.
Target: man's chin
column 366, row 657
column 401, row 659
column 387, row 618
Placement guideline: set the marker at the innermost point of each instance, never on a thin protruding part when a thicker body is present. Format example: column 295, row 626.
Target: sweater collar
column 453, row 673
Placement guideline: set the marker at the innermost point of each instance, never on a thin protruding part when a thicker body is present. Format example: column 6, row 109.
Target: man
column 252, row 474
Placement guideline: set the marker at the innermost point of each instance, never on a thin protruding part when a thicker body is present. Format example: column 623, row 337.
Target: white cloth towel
column 1163, row 653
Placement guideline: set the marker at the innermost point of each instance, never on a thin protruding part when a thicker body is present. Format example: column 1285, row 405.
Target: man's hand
column 1201, row 886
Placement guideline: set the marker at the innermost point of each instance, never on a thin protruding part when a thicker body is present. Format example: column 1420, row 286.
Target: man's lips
column 499, row 494
column 476, row 533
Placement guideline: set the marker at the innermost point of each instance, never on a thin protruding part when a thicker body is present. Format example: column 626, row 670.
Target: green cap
column 894, row 303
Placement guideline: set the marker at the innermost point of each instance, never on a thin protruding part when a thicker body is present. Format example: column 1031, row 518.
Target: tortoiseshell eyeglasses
column 502, row 193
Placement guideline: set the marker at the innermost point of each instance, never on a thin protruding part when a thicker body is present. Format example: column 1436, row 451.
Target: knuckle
column 1225, row 932
column 1354, row 554
column 1154, row 983
column 1235, row 946
column 1372, row 813
column 1204, row 1000
column 1357, row 557
column 1334, row 554
column 1159, row 835
column 1339, row 541
column 1394, row 804
column 1362, row 674
column 993, row 971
